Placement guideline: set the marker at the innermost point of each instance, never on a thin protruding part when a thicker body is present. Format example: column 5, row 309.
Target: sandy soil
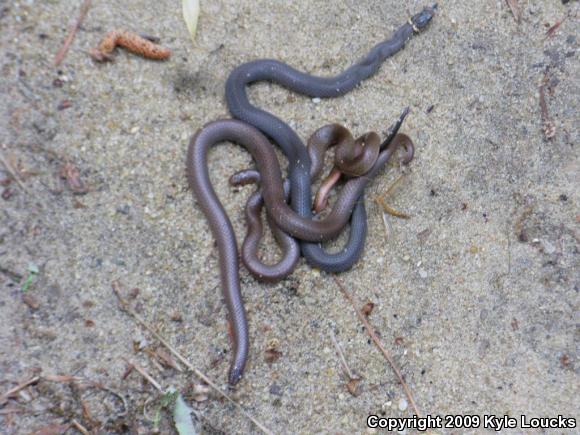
column 476, row 295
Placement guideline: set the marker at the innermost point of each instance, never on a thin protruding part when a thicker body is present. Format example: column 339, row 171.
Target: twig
column 18, row 388
column 146, row 375
column 549, row 128
column 513, row 4
column 552, row 30
column 371, row 332
column 72, row 33
column 125, row 306
column 390, row 210
column 380, row 199
column 389, row 231
column 342, row 358
column 80, row 427
column 12, row 172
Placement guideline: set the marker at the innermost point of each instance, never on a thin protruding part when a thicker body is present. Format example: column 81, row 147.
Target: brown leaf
column 31, row 301
column 72, row 175
column 552, row 30
column 353, row 387
column 272, row 355
column 367, row 309
column 565, row 360
column 513, row 4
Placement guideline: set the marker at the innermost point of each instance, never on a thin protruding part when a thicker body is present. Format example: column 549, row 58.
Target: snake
column 351, row 158
column 274, row 197
column 291, row 144
column 253, row 129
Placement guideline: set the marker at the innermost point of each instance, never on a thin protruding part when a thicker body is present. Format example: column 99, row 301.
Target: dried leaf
column 353, row 387
column 182, row 417
column 200, row 393
column 31, row 301
column 272, row 355
column 191, row 15
column 367, row 309
column 552, row 30
column 72, row 175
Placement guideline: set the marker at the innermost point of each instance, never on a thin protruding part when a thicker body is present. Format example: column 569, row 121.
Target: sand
column 476, row 295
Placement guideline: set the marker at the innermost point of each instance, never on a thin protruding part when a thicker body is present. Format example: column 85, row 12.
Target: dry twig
column 345, row 366
column 373, row 335
column 146, row 375
column 513, row 4
column 125, row 306
column 13, row 173
column 381, row 200
column 80, row 427
column 72, row 33
column 549, row 128
column 18, row 388
column 552, row 30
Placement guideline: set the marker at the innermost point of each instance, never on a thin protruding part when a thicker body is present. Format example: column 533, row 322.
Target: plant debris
column 191, row 15
column 272, row 355
column 72, row 33
column 353, row 387
column 132, row 42
column 127, row 309
column 513, row 4
column 200, row 392
column 182, row 417
column 548, row 126
column 71, row 174
column 375, row 338
column 367, row 308
column 32, row 272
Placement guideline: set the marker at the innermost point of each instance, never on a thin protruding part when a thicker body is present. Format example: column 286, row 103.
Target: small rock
column 549, row 248
column 276, row 390
column 423, row 273
column 403, row 405
column 316, row 100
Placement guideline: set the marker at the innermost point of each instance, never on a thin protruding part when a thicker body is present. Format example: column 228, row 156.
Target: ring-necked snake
column 297, row 220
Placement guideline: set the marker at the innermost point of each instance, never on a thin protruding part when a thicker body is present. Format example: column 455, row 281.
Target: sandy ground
column 476, row 295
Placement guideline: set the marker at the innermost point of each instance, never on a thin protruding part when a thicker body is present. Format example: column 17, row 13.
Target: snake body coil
column 297, row 220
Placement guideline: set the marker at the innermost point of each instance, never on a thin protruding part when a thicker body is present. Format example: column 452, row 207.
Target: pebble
column 549, row 248
column 276, row 390
column 403, row 405
column 423, row 273
column 316, row 100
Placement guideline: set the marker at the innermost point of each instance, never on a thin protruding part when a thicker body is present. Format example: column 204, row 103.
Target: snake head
column 235, row 375
column 421, row 19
